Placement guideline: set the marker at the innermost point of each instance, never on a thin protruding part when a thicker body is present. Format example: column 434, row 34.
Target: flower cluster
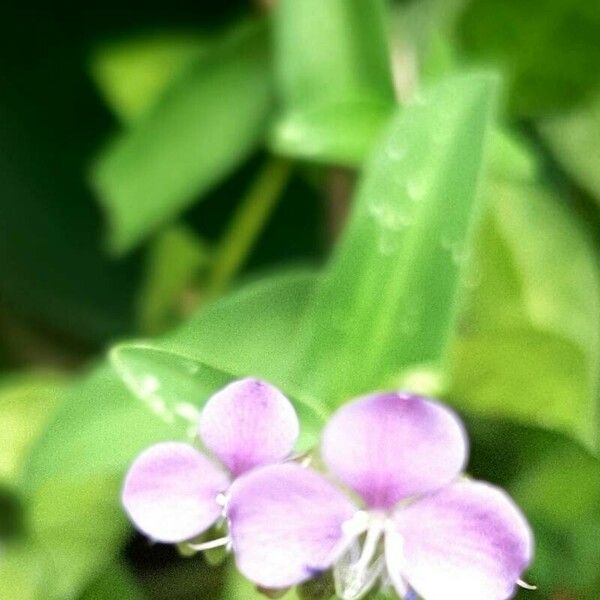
column 395, row 507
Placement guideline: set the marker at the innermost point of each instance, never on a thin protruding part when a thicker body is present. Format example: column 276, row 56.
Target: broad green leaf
column 573, row 138
column 175, row 259
column 548, row 49
column 387, row 300
column 334, row 78
column 175, row 386
column 252, row 330
column 27, row 401
column 246, row 333
column 172, row 386
column 116, row 582
column 529, row 342
column 85, row 438
column 132, row 73
column 204, row 125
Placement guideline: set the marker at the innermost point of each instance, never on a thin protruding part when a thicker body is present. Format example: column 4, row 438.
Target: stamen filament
column 218, row 543
column 370, row 547
column 525, row 585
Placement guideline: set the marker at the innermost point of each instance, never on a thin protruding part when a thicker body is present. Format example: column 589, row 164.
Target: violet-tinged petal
column 170, row 492
column 247, row 424
column 285, row 524
column 468, row 541
column 387, row 447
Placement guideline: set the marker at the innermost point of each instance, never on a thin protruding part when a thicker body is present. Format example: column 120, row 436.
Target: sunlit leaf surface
column 387, row 299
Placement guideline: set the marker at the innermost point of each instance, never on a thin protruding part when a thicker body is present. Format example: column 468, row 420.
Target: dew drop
column 416, row 188
column 396, row 153
column 387, row 242
column 148, row 385
column 188, row 412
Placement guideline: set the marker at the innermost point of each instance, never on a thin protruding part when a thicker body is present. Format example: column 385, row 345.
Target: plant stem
column 247, row 223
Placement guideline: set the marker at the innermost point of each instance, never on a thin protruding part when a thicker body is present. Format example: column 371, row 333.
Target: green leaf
column 250, row 331
column 116, row 582
column 72, row 478
column 387, row 301
column 131, row 74
column 27, row 401
column 529, row 343
column 334, row 77
column 204, row 125
column 24, row 572
column 548, row 49
column 557, row 484
column 176, row 258
column 175, row 386
column 85, row 438
column 81, row 526
column 243, row 334
column 573, row 138
column 172, row 386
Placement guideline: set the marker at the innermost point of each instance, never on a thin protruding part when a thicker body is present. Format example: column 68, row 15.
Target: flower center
column 362, row 562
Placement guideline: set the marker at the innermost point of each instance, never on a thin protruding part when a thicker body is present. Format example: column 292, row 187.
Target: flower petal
column 387, row 447
column 170, row 492
column 468, row 540
column 285, row 524
column 248, row 424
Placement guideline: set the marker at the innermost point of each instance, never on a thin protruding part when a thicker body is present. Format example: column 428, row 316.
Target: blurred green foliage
column 164, row 171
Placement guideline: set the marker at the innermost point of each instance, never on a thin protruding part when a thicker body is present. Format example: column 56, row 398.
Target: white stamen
column 525, row 585
column 218, row 543
column 356, row 571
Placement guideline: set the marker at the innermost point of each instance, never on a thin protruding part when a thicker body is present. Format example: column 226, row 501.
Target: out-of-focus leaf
column 573, row 138
column 548, row 49
column 251, row 331
column 387, row 299
column 71, row 480
column 53, row 270
column 116, row 582
column 175, row 259
column 81, row 526
column 97, row 430
column 529, row 343
column 204, row 124
column 26, row 403
column 24, row 572
column 334, row 78
column 132, row 73
column 557, row 483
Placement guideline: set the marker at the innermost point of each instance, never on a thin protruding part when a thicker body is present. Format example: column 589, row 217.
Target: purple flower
column 173, row 492
column 424, row 527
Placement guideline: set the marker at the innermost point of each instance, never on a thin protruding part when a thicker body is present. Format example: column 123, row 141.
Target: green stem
column 247, row 224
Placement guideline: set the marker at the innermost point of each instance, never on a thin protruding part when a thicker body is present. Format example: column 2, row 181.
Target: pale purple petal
column 285, row 524
column 248, row 424
column 170, row 492
column 468, row 541
column 387, row 447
